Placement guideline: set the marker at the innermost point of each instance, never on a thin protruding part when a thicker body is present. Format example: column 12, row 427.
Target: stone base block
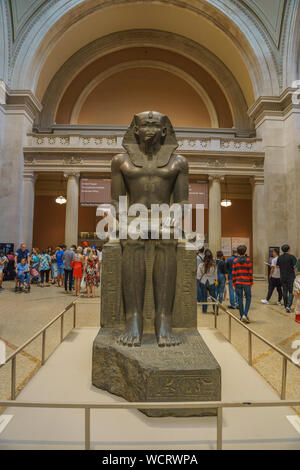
column 188, row 372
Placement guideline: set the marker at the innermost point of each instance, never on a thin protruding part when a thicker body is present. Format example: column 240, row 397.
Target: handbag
column 83, row 283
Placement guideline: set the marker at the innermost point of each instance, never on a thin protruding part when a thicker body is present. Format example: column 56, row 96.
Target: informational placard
column 198, row 193
column 226, row 246
column 236, row 241
column 94, row 191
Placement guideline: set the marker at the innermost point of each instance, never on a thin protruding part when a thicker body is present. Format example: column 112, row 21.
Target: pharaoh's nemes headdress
column 169, row 143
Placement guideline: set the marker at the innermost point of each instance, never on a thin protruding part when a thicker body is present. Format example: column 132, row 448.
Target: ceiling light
column 61, row 200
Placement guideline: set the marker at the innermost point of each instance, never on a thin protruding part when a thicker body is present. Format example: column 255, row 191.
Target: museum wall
column 137, row 83
column 237, row 220
column 119, row 97
column 49, row 221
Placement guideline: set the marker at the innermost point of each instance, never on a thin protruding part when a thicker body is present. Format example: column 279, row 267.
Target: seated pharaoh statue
column 150, row 173
column 148, row 347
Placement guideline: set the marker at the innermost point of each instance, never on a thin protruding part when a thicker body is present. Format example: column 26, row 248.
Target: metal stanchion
column 284, row 374
column 87, row 428
column 44, row 347
column 250, row 348
column 229, row 328
column 74, row 315
column 13, row 377
column 219, row 428
column 62, row 328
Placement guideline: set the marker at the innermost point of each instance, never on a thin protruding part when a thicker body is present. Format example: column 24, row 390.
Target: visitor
column 22, row 271
column 35, row 266
column 22, row 253
column 60, row 266
column 232, row 294
column 207, row 275
column 54, row 269
column 77, row 265
column 99, row 272
column 91, row 274
column 3, row 264
column 296, row 293
column 242, row 277
column 274, row 279
column 200, row 258
column 85, row 247
column 68, row 257
column 222, row 277
column 45, row 265
column 287, row 264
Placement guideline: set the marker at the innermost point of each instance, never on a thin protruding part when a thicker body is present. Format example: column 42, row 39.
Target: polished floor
column 21, row 315
column 66, row 377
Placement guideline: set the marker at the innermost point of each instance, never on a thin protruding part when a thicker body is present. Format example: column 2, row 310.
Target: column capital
column 29, row 175
column 68, row 173
column 257, row 179
column 212, row 177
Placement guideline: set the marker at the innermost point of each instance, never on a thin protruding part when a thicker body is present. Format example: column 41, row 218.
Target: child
column 296, row 292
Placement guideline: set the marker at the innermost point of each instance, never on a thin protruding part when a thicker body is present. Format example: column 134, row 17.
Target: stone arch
column 145, row 63
column 149, row 38
column 233, row 18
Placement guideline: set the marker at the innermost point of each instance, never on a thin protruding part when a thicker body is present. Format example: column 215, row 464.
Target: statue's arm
column 181, row 188
column 117, row 181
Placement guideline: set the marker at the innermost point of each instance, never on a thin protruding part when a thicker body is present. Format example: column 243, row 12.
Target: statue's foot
column 132, row 335
column 165, row 336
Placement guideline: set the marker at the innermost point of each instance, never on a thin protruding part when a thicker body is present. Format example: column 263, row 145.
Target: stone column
column 215, row 222
column 71, row 227
column 28, row 208
column 260, row 250
column 17, row 113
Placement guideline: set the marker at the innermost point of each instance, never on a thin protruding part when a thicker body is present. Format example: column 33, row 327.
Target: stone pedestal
column 188, row 372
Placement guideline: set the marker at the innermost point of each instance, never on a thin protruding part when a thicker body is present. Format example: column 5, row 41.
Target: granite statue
column 150, row 172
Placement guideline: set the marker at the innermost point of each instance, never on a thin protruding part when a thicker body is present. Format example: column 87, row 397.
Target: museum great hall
column 225, row 72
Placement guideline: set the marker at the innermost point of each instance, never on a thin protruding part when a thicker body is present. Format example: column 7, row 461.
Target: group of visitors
column 282, row 277
column 72, row 268
column 214, row 274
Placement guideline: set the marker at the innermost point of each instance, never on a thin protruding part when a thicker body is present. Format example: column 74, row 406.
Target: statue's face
column 149, row 130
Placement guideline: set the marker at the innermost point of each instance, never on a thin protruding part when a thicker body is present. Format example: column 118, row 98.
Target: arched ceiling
column 248, row 36
column 203, row 84
column 146, row 16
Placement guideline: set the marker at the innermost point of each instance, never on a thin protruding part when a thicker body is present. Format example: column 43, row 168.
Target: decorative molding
column 113, row 143
column 93, row 154
column 278, row 106
column 197, row 87
column 148, row 38
column 19, row 100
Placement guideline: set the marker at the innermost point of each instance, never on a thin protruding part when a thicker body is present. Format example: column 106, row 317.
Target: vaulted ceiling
column 268, row 12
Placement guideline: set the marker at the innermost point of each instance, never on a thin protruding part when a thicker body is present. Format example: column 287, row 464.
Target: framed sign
column 226, row 246
column 94, row 191
column 198, row 193
column 236, row 241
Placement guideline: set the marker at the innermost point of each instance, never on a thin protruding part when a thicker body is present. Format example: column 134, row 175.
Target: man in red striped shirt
column 242, row 278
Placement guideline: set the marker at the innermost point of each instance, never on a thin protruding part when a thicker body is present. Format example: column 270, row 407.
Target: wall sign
column 198, row 193
column 94, row 191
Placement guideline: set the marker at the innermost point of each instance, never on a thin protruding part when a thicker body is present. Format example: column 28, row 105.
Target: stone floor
column 22, row 315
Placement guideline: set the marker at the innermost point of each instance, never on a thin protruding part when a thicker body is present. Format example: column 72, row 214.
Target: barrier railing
column 87, row 407
column 285, row 357
column 153, row 405
column 13, row 357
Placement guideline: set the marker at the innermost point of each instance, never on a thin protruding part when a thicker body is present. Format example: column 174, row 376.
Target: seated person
column 22, row 271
